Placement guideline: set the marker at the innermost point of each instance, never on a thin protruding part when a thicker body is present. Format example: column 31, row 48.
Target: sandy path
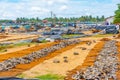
column 60, row 68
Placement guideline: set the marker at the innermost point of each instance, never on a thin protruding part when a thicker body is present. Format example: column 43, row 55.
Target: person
column 117, row 27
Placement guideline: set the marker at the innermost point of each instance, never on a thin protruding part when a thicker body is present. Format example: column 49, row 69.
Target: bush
column 50, row 77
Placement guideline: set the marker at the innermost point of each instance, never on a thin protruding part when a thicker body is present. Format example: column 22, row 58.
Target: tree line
column 117, row 16
column 58, row 19
column 74, row 19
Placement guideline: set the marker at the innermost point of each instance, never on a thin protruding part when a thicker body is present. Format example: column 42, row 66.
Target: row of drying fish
column 104, row 67
column 11, row 63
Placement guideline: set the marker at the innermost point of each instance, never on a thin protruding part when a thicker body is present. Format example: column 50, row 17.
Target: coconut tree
column 117, row 16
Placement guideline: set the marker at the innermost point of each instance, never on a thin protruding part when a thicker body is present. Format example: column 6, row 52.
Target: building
column 109, row 20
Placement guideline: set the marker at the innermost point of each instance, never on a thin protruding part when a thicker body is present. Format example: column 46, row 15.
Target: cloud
column 50, row 2
column 11, row 9
column 64, row 7
column 39, row 9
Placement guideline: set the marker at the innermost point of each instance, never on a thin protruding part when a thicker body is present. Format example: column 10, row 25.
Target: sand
column 23, row 67
column 48, row 67
column 14, row 37
column 45, row 65
column 89, row 61
column 22, row 52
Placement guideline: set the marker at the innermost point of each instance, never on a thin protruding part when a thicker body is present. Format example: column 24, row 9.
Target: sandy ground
column 89, row 61
column 26, row 47
column 12, row 50
column 46, row 65
column 23, row 51
column 13, row 37
column 87, row 32
column 60, row 68
column 24, row 67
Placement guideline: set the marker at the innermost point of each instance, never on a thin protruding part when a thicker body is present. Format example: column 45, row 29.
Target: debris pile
column 105, row 66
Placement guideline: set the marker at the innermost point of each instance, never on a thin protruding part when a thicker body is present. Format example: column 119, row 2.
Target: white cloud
column 64, row 7
column 35, row 8
column 50, row 2
column 39, row 9
column 42, row 8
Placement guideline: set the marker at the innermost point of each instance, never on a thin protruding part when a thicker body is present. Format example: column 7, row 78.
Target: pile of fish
column 11, row 63
column 104, row 67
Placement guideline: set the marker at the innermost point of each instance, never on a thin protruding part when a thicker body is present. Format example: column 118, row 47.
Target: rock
column 83, row 48
column 56, row 61
column 89, row 43
column 76, row 53
column 65, row 57
column 66, row 61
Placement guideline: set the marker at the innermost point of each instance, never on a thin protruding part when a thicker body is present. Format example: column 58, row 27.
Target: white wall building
column 109, row 20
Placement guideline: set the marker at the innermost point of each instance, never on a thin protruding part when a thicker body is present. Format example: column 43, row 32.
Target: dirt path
column 88, row 61
column 23, row 67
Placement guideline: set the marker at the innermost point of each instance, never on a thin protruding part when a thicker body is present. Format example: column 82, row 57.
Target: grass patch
column 23, row 44
column 70, row 35
column 44, row 41
column 50, row 77
column 6, row 46
column 103, row 35
column 3, row 48
column 21, row 76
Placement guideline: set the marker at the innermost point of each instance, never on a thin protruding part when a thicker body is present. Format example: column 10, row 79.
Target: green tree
column 117, row 16
column 97, row 18
column 102, row 18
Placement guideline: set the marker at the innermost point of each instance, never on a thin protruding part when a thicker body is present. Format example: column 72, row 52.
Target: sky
column 11, row 9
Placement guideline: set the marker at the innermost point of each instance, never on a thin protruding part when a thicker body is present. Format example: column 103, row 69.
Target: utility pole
column 54, row 18
column 67, row 22
column 51, row 13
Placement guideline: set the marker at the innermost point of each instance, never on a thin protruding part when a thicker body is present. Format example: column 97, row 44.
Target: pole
column 54, row 19
column 51, row 16
column 67, row 22
column 51, row 13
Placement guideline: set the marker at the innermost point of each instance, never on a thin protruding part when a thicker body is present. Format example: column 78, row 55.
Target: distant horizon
column 56, row 17
column 12, row 9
